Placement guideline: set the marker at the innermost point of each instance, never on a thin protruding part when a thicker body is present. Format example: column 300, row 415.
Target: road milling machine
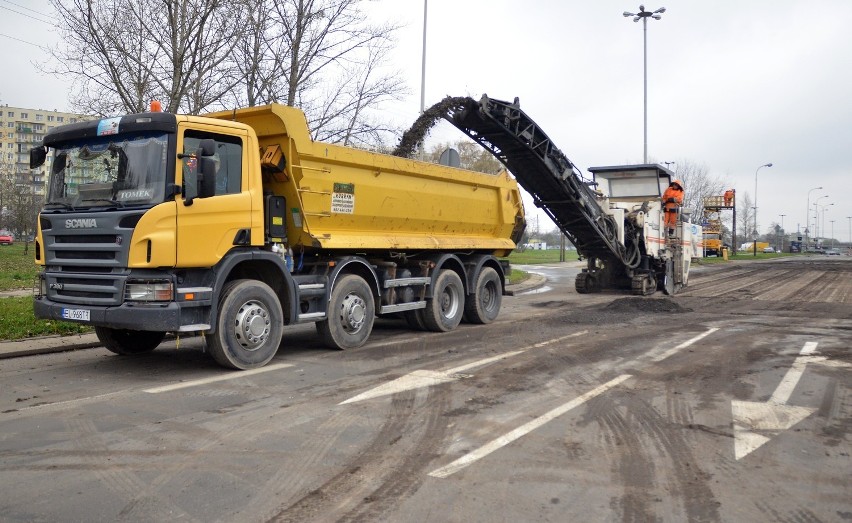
column 616, row 220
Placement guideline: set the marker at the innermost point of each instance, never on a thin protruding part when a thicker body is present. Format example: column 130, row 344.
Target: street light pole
column 756, row 234
column 850, row 232
column 808, row 214
column 832, row 233
column 783, row 233
column 822, row 225
column 816, row 218
column 643, row 15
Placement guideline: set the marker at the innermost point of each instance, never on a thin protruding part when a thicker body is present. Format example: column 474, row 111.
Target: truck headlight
column 149, row 291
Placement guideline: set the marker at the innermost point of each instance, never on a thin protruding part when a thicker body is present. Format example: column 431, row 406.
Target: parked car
column 833, row 252
column 6, row 238
column 769, row 249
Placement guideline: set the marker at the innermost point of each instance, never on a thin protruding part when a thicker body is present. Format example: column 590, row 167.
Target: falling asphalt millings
column 414, row 136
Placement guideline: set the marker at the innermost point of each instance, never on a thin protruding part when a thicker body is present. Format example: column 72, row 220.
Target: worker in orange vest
column 729, row 198
column 672, row 200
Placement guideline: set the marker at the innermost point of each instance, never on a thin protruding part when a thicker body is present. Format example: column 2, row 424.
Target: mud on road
column 731, row 401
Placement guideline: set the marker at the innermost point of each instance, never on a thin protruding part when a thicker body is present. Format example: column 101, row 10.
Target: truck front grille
column 86, row 267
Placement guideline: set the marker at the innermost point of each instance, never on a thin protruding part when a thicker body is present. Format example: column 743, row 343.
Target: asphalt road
column 730, row 402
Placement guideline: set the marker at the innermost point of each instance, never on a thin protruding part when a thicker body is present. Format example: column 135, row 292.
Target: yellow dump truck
column 237, row 223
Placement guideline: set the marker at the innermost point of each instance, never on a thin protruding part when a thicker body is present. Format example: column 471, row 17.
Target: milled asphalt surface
column 51, row 344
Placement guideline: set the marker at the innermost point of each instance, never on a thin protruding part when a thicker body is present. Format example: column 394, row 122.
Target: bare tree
column 335, row 69
column 7, row 186
column 323, row 56
column 123, row 53
column 472, row 156
column 698, row 184
column 259, row 57
column 745, row 218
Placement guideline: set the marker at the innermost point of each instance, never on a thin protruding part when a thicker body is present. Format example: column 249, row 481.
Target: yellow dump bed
column 345, row 198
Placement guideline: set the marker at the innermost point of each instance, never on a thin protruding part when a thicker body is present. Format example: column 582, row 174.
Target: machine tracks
column 796, row 289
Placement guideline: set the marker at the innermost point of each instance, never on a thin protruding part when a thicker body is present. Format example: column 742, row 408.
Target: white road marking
column 427, row 378
column 221, row 377
column 772, row 416
column 684, row 345
column 524, row 429
column 788, row 383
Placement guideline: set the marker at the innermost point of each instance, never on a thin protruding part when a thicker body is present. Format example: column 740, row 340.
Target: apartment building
column 21, row 129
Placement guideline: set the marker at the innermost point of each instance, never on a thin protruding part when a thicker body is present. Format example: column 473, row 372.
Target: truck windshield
column 116, row 171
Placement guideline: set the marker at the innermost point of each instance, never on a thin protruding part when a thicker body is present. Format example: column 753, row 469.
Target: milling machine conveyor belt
column 556, row 185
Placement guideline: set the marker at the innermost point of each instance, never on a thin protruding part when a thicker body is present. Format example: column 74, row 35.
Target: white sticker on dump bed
column 343, row 198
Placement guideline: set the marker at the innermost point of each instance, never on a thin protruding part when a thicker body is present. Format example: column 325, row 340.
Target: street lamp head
column 641, row 8
column 656, row 17
column 627, row 13
column 637, row 19
column 660, row 10
column 768, row 165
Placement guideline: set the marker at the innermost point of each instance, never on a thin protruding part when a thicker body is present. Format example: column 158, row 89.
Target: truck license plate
column 77, row 314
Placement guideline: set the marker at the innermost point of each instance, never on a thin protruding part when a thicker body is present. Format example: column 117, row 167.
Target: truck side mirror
column 206, row 168
column 207, row 177
column 37, row 156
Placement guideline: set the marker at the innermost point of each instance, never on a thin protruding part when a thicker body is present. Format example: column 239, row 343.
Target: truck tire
column 444, row 310
column 351, row 314
column 248, row 327
column 126, row 341
column 483, row 305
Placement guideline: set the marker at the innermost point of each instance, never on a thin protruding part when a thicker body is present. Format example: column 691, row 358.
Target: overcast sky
column 732, row 85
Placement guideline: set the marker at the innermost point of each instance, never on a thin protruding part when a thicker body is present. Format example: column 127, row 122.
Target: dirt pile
column 644, row 305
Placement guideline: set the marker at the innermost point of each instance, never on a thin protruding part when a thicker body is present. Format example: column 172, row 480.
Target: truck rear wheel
column 351, row 314
column 444, row 311
column 483, row 305
column 248, row 327
column 126, row 341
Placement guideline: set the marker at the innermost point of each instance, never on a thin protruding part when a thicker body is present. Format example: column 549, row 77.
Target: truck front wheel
column 351, row 313
column 444, row 311
column 484, row 304
column 126, row 341
column 248, row 327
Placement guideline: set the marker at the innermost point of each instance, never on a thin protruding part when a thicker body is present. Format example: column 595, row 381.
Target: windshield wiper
column 61, row 204
column 114, row 202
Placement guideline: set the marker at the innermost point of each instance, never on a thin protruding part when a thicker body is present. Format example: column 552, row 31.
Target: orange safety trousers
column 671, row 217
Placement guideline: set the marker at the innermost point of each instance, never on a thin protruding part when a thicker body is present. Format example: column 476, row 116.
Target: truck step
column 405, row 282
column 311, row 289
column 312, row 316
column 399, row 307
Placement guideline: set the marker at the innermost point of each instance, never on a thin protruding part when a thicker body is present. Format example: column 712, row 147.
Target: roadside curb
column 533, row 282
column 47, row 345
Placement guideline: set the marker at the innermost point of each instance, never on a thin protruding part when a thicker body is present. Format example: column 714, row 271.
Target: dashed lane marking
column 684, row 345
column 213, row 379
column 427, row 378
column 524, row 429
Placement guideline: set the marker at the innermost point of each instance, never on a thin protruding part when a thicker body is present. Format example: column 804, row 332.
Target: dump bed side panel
column 345, row 198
